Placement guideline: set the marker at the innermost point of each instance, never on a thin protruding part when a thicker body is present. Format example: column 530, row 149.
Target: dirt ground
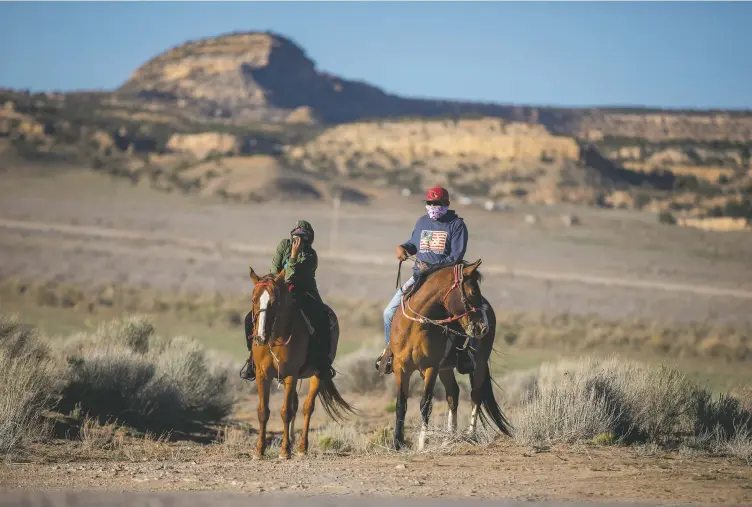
column 86, row 228
column 504, row 471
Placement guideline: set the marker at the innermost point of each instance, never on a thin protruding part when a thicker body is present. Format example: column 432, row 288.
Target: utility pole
column 336, row 194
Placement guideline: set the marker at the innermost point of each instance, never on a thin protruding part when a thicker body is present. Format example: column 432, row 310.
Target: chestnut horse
column 280, row 351
column 435, row 319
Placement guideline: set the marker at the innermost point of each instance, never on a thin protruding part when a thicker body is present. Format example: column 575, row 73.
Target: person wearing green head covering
column 299, row 260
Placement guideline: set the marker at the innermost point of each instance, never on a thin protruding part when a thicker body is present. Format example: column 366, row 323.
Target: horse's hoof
column 301, row 454
column 471, row 437
column 284, row 456
column 257, row 457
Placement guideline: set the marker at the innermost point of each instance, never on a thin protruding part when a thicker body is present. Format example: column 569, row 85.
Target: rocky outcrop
column 265, row 76
column 668, row 126
column 201, row 145
column 482, row 157
column 720, row 224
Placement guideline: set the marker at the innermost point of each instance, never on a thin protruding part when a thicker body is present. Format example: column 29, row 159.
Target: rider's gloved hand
column 402, row 253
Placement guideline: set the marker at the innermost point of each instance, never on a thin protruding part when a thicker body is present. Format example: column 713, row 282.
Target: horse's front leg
column 402, row 378
column 452, row 396
column 308, row 406
column 288, row 414
column 476, row 398
column 426, row 403
column 264, row 387
column 294, row 415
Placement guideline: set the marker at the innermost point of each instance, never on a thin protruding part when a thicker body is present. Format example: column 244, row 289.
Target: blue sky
column 571, row 54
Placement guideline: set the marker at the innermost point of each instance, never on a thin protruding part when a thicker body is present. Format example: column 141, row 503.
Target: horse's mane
column 426, row 274
column 269, row 278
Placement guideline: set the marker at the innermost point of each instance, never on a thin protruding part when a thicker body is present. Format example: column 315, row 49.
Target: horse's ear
column 280, row 276
column 254, row 277
column 469, row 270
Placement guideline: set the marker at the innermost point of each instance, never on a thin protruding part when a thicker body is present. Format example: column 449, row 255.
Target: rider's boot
column 249, row 370
column 384, row 362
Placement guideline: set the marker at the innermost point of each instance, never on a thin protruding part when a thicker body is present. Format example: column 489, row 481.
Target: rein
column 469, row 308
column 399, row 270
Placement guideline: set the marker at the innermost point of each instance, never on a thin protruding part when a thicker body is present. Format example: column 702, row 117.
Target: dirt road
column 93, row 499
column 351, row 257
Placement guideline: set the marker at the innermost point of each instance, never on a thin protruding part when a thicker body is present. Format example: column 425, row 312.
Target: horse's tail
column 333, row 402
column 490, row 411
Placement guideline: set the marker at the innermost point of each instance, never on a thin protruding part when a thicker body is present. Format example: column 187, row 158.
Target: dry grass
column 124, row 371
column 28, row 386
column 586, row 333
column 570, row 332
column 616, row 401
column 524, row 330
column 358, row 375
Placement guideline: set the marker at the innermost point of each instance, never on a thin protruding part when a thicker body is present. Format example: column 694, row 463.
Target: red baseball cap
column 437, row 194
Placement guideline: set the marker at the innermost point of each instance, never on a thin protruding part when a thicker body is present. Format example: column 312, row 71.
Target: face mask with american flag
column 436, row 212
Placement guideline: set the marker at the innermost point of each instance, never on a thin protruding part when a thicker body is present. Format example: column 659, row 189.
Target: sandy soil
column 86, row 228
column 506, row 471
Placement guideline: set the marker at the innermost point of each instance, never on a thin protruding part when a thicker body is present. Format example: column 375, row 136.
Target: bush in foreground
column 27, row 384
column 586, row 400
column 123, row 371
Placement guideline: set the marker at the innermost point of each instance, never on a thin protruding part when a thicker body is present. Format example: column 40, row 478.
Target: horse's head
column 268, row 298
column 465, row 301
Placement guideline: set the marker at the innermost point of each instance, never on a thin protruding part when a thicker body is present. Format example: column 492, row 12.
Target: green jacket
column 301, row 272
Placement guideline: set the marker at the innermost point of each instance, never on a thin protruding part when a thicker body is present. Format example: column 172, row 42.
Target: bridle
column 459, row 279
column 275, row 292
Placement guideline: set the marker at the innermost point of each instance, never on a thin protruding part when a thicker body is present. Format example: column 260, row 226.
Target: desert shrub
column 18, row 340
column 580, row 400
column 741, row 208
column 358, row 374
column 725, row 414
column 335, row 438
column 186, row 385
column 123, row 371
column 585, row 332
column 564, row 406
column 108, row 382
column 641, row 199
column 666, row 217
column 28, row 389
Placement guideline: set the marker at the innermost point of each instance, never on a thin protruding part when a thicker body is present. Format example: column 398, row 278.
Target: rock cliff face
column 661, row 127
column 484, row 157
column 253, row 76
column 266, row 77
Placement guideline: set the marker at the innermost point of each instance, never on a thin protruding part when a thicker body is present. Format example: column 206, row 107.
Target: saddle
column 333, row 329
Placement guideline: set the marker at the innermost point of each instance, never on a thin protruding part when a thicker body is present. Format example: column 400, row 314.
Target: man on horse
column 299, row 260
column 438, row 239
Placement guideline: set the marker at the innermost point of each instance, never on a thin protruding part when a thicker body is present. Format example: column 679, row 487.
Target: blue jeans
column 391, row 308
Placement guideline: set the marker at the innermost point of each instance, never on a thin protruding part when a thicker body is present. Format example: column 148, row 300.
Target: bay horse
column 445, row 307
column 280, row 351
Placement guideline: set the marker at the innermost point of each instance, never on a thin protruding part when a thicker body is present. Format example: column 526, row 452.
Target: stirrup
column 384, row 363
column 247, row 372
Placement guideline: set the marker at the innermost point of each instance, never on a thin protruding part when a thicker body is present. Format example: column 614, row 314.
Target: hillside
column 266, row 77
column 248, row 116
